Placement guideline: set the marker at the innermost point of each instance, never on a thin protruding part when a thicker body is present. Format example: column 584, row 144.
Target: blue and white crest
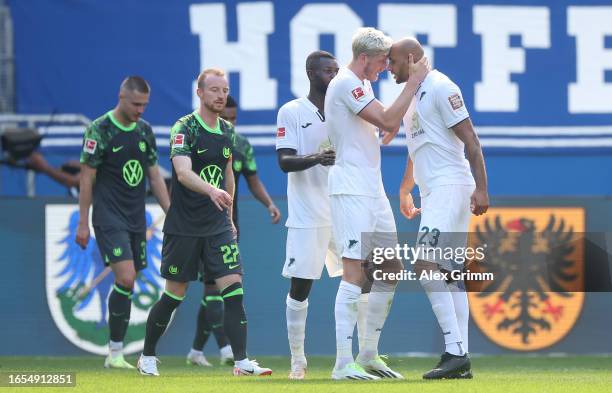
column 78, row 284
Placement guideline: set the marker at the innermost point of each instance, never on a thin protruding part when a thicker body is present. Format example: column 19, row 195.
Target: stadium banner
column 78, row 284
column 43, row 293
column 533, row 76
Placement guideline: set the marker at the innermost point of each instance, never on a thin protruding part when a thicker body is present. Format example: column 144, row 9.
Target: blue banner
column 534, row 74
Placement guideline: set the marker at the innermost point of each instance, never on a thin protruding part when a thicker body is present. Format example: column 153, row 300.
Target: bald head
column 399, row 57
column 409, row 46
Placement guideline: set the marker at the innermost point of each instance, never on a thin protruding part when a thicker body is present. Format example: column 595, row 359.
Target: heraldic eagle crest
column 536, row 257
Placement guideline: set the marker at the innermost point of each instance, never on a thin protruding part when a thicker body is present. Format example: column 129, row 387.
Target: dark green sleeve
column 250, row 167
column 152, row 146
column 94, row 146
column 180, row 140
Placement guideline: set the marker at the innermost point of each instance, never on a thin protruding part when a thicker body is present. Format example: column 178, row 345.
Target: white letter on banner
column 496, row 24
column 590, row 93
column 437, row 22
column 248, row 55
column 307, row 26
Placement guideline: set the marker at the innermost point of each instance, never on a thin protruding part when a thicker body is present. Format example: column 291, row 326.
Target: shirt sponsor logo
column 90, row 146
column 281, row 132
column 358, row 93
column 455, row 101
column 179, row 140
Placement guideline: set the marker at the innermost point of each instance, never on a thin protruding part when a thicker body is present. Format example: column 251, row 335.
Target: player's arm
column 158, row 186
column 188, row 178
column 38, row 162
column 260, row 193
column 389, row 119
column 406, row 202
column 88, row 177
column 473, row 151
column 289, row 161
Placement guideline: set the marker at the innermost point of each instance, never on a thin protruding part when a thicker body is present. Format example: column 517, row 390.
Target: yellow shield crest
column 537, row 256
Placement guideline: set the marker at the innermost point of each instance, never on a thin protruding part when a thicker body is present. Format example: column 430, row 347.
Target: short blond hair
column 370, row 41
column 209, row 71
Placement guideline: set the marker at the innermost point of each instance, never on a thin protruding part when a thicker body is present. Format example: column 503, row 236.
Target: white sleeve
column 450, row 103
column 355, row 95
column 286, row 129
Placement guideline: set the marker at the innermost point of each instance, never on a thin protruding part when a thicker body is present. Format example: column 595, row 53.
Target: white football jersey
column 357, row 167
column 436, row 152
column 302, row 127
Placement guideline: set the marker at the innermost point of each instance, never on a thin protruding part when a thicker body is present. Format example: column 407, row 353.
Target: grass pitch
column 491, row 374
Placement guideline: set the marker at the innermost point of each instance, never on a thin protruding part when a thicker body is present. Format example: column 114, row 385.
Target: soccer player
column 304, row 152
column 359, row 205
column 198, row 227
column 118, row 150
column 210, row 314
column 438, row 130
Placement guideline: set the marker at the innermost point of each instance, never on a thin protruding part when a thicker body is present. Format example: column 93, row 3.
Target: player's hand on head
column 274, row 213
column 407, row 207
column 220, row 198
column 479, row 202
column 82, row 235
column 327, row 157
column 417, row 71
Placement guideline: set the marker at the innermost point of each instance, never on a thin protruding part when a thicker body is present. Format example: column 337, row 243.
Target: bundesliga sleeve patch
column 90, row 146
column 179, row 140
column 358, row 93
column 455, row 101
column 280, row 133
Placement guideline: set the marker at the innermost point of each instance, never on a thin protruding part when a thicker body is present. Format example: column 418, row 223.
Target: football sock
column 202, row 328
column 115, row 348
column 158, row 319
column 362, row 312
column 346, row 317
column 442, row 305
column 235, row 321
column 379, row 304
column 462, row 310
column 296, row 327
column 119, row 305
column 214, row 315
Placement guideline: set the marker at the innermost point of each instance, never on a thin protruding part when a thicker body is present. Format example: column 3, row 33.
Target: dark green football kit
column 198, row 237
column 121, row 156
column 243, row 163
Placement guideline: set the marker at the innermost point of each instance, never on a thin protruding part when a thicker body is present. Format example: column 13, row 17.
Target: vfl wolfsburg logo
column 142, row 146
column 78, row 285
column 226, row 152
column 132, row 173
column 212, row 175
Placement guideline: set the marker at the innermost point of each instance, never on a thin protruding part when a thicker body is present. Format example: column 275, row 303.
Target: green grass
column 491, row 374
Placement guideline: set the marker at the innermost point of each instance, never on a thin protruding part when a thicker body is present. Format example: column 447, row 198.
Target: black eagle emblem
column 528, row 265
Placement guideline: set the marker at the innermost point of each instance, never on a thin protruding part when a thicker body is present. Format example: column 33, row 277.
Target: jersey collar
column 119, row 125
column 216, row 130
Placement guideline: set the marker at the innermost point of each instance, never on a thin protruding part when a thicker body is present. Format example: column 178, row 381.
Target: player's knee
column 353, row 272
column 126, row 280
column 300, row 289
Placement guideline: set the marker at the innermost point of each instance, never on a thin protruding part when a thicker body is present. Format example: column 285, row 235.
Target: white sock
column 296, row 327
column 442, row 305
column 194, row 352
column 462, row 310
column 346, row 317
column 362, row 312
column 379, row 305
column 115, row 348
